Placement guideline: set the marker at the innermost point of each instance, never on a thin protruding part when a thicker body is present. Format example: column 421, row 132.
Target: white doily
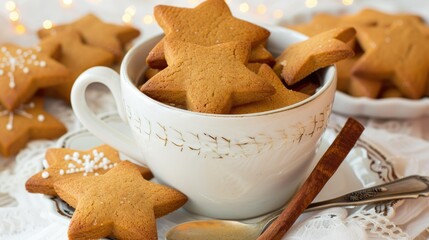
column 328, row 224
column 335, row 223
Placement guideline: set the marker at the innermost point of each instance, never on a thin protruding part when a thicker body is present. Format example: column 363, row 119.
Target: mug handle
column 96, row 126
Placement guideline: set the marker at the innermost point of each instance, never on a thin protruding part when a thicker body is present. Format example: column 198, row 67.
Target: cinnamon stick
column 323, row 171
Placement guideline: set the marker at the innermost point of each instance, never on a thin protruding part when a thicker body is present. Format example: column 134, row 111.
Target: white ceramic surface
column 229, row 166
column 365, row 166
column 399, row 108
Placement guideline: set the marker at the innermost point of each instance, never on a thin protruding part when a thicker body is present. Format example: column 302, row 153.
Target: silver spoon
column 409, row 187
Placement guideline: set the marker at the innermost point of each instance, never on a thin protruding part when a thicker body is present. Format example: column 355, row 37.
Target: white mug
column 229, row 166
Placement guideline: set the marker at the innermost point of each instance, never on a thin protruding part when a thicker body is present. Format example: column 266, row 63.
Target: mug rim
column 329, row 76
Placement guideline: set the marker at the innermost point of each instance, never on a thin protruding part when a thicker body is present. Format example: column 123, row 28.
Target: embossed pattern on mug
column 216, row 146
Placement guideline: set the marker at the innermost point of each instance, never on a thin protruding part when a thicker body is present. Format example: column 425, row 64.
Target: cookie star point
column 314, row 53
column 208, row 24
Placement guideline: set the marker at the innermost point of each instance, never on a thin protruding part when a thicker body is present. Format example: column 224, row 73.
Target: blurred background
column 20, row 19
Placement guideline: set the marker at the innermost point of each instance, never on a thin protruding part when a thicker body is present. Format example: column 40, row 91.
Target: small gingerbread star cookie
column 208, row 24
column 401, row 55
column 25, row 70
column 301, row 59
column 207, row 79
column 120, row 203
column 95, row 32
column 76, row 56
column 27, row 122
column 282, row 98
column 66, row 163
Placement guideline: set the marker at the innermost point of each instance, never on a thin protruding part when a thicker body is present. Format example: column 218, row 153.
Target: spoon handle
column 324, row 170
column 405, row 188
column 408, row 187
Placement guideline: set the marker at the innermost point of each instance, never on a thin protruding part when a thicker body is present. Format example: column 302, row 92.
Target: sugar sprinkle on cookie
column 25, row 70
column 27, row 122
column 120, row 203
column 63, row 163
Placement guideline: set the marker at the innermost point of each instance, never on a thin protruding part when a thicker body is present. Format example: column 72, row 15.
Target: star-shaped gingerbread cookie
column 23, row 71
column 282, row 98
column 400, row 55
column 95, row 32
column 76, row 56
column 300, row 59
column 208, row 24
column 207, row 79
column 66, row 163
column 120, row 203
column 29, row 121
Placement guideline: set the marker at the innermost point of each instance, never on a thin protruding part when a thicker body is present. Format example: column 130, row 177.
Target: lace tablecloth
column 24, row 215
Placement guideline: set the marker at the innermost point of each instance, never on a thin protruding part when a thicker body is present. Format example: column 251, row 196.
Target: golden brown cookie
column 308, row 85
column 208, row 24
column 254, row 67
column 260, row 54
column 150, row 72
column 425, row 30
column 207, row 79
column 120, row 203
column 400, row 55
column 372, row 17
column 300, row 59
column 361, row 87
column 29, row 121
column 391, row 92
column 282, row 98
column 427, row 86
column 369, row 36
column 344, row 69
column 76, row 56
column 64, row 163
column 25, row 70
column 95, row 32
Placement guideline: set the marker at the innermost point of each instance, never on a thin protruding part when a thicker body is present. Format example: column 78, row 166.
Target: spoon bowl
column 214, row 230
